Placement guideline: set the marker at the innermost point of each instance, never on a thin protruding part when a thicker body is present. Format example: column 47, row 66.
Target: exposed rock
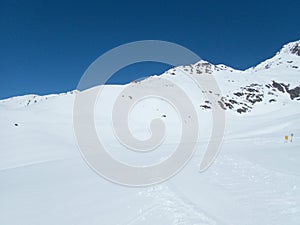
column 205, row 106
column 233, row 101
column 294, row 93
column 221, row 104
column 296, row 49
column 278, row 86
column 228, row 105
column 239, row 94
column 242, row 110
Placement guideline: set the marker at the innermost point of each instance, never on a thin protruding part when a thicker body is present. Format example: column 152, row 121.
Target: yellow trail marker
column 286, row 137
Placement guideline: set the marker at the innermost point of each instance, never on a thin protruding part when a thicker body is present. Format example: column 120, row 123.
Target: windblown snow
column 255, row 179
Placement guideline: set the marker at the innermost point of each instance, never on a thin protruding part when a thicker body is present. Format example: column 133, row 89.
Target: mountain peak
column 285, row 58
column 291, row 48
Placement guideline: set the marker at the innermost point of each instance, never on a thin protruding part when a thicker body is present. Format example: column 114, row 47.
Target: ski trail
column 169, row 203
column 193, row 206
column 141, row 215
column 30, row 164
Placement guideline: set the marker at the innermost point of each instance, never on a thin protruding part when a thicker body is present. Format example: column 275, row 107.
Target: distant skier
column 292, row 135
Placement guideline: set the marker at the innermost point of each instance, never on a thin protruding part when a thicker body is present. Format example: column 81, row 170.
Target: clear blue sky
column 47, row 45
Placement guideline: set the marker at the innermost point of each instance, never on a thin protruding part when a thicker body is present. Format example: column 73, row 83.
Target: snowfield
column 255, row 179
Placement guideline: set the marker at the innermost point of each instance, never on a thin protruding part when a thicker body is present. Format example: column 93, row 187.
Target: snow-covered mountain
column 241, row 90
column 255, row 179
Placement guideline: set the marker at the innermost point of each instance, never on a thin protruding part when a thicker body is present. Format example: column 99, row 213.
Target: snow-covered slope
column 255, row 179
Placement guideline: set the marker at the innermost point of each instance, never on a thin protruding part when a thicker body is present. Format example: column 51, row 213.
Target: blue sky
column 47, row 45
